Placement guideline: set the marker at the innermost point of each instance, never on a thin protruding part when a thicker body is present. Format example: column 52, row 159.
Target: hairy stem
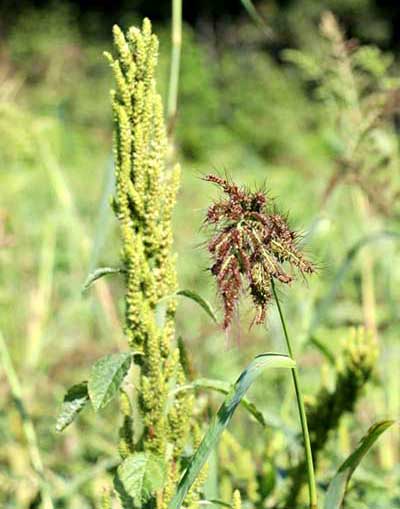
column 300, row 405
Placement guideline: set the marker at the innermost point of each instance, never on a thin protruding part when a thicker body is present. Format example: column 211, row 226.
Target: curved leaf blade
column 139, row 476
column 224, row 388
column 106, row 378
column 337, row 487
column 99, row 273
column 223, row 417
column 74, row 401
column 203, row 303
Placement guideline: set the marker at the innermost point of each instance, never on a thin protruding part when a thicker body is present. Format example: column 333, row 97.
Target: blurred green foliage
column 241, row 110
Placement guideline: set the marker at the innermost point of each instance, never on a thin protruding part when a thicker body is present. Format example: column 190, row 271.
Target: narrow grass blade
column 97, row 274
column 200, row 301
column 337, row 488
column 189, row 294
column 223, row 417
column 224, row 388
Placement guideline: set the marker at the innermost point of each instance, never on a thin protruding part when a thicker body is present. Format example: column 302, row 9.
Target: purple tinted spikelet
column 250, row 245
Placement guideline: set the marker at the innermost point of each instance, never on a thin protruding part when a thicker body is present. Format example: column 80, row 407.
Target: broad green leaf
column 74, row 401
column 337, row 487
column 139, row 476
column 200, row 301
column 224, row 388
column 106, row 378
column 223, row 417
column 97, row 274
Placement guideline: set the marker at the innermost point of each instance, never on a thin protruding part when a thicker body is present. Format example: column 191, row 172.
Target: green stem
column 176, row 36
column 300, row 404
column 27, row 423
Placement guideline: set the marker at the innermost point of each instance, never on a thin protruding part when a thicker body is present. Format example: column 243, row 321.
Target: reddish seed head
column 250, row 245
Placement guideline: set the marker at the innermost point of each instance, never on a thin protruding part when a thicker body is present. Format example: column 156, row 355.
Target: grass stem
column 300, row 405
column 176, row 36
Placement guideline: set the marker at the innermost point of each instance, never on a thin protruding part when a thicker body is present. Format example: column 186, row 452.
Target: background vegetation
column 245, row 107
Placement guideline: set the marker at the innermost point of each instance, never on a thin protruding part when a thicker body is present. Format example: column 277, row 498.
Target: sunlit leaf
column 74, row 401
column 139, row 476
column 106, row 378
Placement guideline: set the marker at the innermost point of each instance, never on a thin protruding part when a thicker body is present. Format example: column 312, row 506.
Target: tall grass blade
column 224, row 388
column 337, row 488
column 223, row 417
column 195, row 297
column 190, row 294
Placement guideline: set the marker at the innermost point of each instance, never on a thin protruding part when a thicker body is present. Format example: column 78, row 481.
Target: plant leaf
column 200, row 301
column 223, row 417
column 337, row 487
column 224, row 388
column 106, row 378
column 74, row 401
column 139, row 476
column 97, row 274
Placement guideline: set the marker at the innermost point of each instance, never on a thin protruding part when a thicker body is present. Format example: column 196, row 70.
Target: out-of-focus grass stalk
column 42, row 295
column 27, row 424
column 258, row 20
column 367, row 270
column 312, row 489
column 66, row 200
column 388, row 443
column 176, row 38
